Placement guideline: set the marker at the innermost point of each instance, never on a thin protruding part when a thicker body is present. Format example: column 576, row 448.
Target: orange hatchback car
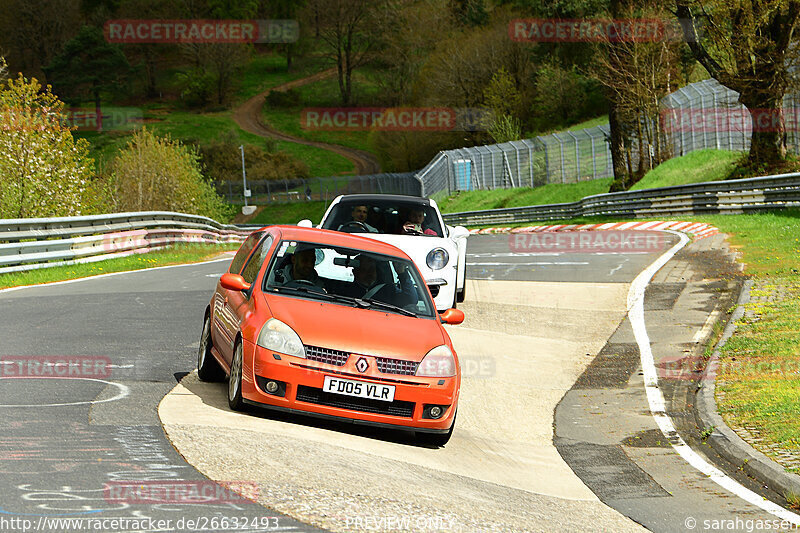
column 333, row 325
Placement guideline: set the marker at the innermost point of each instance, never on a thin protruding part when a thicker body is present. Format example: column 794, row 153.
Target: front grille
column 326, row 355
column 396, row 366
column 320, row 397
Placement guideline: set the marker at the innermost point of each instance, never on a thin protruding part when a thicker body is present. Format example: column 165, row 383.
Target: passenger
column 366, row 284
column 414, row 222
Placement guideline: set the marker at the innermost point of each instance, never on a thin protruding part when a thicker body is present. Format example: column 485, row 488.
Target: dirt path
column 248, row 117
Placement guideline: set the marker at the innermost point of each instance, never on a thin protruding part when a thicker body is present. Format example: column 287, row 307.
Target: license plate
column 360, row 389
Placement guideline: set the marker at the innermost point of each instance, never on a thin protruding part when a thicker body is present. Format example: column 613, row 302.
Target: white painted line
column 656, row 400
column 76, row 280
column 123, row 392
column 503, row 254
column 531, row 263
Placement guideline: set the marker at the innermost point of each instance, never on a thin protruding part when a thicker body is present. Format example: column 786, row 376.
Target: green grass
column 325, row 93
column 759, row 377
column 173, row 255
column 320, row 162
column 290, row 213
column 269, row 70
column 546, row 194
column 694, row 167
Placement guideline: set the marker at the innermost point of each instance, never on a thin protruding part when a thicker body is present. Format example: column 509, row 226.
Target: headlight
column 438, row 363
column 437, row 258
column 278, row 337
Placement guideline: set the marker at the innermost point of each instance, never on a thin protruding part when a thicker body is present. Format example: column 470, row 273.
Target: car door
column 225, row 324
column 239, row 302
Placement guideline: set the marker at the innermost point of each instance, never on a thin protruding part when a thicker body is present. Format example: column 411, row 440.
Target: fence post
column 594, row 161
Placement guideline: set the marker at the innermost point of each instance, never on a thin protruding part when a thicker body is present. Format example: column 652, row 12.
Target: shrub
column 44, row 171
column 158, row 174
column 290, row 98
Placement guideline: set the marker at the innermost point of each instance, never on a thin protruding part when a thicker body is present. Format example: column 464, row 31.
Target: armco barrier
column 714, row 197
column 32, row 243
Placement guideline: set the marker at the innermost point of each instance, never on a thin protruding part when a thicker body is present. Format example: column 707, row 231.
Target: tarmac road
column 532, row 330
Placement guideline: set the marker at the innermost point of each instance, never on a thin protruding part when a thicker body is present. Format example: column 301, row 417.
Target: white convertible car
column 415, row 226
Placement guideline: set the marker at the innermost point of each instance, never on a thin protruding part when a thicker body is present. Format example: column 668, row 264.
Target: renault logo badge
column 362, row 365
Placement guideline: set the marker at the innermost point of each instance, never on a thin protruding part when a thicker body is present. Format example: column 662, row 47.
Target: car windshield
column 384, row 216
column 348, row 276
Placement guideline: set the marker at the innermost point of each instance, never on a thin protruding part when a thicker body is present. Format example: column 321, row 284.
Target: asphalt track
column 533, row 326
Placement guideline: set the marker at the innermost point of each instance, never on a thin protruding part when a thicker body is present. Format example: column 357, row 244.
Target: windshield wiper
column 386, row 305
column 302, row 290
column 326, row 295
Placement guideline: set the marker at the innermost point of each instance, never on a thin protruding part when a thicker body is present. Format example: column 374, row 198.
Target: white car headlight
column 437, row 363
column 278, row 337
column 437, row 258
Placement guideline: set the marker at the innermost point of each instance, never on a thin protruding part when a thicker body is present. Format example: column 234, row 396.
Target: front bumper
column 304, row 380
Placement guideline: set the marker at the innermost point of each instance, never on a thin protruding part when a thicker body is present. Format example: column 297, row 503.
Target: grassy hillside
column 694, row 167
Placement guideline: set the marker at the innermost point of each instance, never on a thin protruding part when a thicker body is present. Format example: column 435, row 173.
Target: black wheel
column 235, row 380
column 462, row 293
column 436, row 439
column 208, row 368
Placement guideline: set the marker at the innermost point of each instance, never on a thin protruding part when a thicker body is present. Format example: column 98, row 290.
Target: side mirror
column 305, row 223
column 235, row 282
column 452, row 316
column 458, row 232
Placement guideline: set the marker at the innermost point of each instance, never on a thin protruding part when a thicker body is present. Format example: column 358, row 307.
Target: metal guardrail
column 714, row 197
column 32, row 243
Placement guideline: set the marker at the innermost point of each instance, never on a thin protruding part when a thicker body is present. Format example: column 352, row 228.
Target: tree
column 748, row 47
column 503, row 97
column 158, row 174
column 88, row 66
column 282, row 10
column 418, row 27
column 44, row 172
column 348, row 30
column 636, row 74
column 32, row 32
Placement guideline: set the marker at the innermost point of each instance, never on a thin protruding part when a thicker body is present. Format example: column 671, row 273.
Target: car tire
column 460, row 295
column 208, row 368
column 437, row 439
column 235, row 380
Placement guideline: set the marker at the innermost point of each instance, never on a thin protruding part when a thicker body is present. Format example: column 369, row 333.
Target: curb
column 723, row 439
column 698, row 230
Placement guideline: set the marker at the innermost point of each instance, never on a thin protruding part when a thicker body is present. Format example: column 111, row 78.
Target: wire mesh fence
column 315, row 189
column 700, row 115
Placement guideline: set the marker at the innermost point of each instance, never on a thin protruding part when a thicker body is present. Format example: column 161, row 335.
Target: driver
column 301, row 268
column 359, row 215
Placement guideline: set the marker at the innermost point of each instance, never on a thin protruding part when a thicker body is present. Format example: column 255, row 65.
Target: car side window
column 244, row 251
column 256, row 260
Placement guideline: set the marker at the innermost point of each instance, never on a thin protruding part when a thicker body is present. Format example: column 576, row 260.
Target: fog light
column 436, row 411
column 272, row 387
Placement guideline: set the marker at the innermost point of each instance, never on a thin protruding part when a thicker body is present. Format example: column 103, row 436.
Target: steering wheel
column 411, row 231
column 355, row 223
column 305, row 282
